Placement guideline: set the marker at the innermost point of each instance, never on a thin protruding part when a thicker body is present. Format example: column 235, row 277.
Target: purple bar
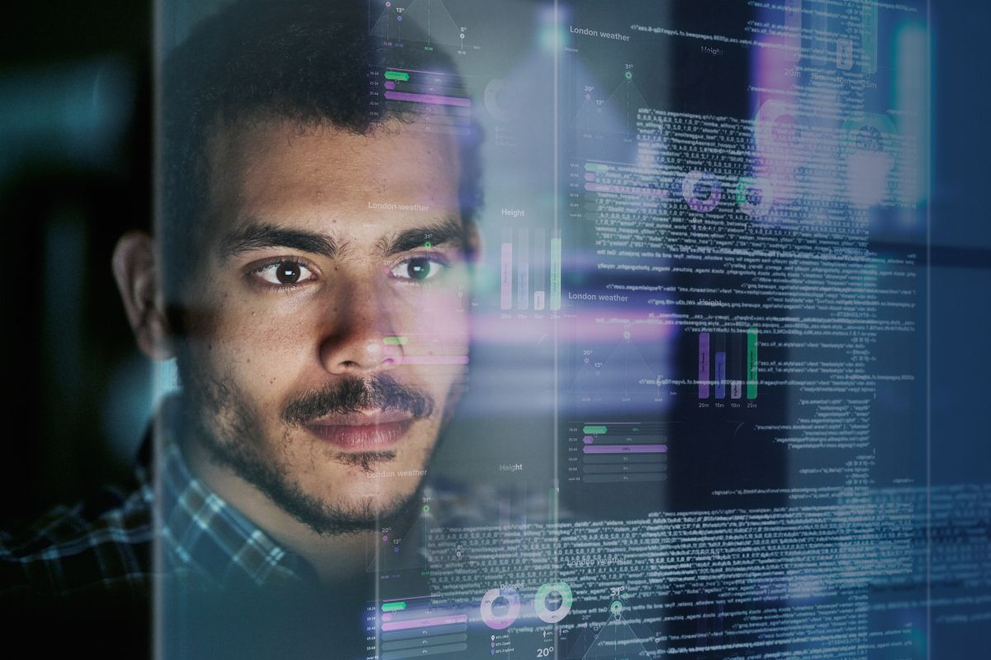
column 625, row 449
column 389, row 84
column 424, row 623
column 588, row 439
column 704, row 365
column 506, row 274
column 721, row 375
column 433, row 99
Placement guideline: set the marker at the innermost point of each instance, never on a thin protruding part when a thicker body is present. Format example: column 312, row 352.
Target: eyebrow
column 449, row 232
column 256, row 236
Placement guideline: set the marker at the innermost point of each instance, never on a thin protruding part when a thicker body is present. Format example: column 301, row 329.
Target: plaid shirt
column 106, row 543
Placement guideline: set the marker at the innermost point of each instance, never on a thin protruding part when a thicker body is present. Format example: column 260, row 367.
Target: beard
column 219, row 416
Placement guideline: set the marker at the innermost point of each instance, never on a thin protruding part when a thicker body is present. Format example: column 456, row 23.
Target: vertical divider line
column 158, row 580
column 929, row 174
column 556, row 317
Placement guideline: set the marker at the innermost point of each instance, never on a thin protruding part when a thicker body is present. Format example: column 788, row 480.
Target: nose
column 359, row 336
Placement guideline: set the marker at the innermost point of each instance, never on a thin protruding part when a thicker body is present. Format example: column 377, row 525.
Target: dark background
column 75, row 172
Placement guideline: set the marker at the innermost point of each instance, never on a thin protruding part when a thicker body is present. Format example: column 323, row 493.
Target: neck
column 335, row 557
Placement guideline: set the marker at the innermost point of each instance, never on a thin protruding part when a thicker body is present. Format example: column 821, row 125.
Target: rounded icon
column 701, row 190
column 870, row 133
column 754, row 196
column 616, row 607
column 498, row 100
column 500, row 607
column 552, row 602
column 778, row 130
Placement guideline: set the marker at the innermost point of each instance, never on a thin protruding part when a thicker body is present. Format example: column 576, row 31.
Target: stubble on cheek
column 226, row 420
column 221, row 419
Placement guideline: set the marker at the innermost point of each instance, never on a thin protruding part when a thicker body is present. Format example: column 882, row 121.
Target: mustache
column 352, row 395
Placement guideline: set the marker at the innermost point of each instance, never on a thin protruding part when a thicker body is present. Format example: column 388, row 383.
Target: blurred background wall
column 75, row 145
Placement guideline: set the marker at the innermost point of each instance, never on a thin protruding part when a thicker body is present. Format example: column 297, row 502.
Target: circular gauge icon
column 754, row 196
column 871, row 133
column 701, row 190
column 778, row 130
column 500, row 607
column 499, row 100
column 552, row 601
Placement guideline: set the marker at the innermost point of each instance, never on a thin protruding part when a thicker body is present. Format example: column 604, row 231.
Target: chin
column 376, row 488
column 381, row 489
column 381, row 509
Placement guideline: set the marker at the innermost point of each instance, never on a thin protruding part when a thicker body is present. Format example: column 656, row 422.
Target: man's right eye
column 285, row 273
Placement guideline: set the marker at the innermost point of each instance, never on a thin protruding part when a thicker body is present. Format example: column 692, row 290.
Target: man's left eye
column 418, row 268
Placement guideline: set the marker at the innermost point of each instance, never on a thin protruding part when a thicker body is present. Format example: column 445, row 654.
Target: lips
column 364, row 431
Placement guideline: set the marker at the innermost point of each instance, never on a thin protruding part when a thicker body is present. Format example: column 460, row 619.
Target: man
column 311, row 278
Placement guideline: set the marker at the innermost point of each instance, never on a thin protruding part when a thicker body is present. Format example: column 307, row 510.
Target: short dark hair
column 307, row 61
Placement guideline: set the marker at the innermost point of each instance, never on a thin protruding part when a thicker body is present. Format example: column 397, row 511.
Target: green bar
column 396, row 75
column 555, row 274
column 394, row 341
column 393, row 607
column 595, row 430
column 752, row 363
column 596, row 167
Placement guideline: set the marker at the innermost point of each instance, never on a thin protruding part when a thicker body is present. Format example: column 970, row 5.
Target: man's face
column 328, row 323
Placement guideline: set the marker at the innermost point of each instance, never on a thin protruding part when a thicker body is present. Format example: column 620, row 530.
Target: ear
column 136, row 271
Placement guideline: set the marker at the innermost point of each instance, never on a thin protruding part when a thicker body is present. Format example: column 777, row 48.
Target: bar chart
column 727, row 363
column 525, row 282
column 618, row 452
column 436, row 98
column 412, row 628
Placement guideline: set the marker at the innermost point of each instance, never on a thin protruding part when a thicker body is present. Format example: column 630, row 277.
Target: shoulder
column 101, row 544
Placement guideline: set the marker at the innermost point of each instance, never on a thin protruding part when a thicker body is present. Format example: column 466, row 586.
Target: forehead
column 280, row 171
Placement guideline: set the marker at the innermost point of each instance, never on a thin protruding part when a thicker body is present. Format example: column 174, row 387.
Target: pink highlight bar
column 425, row 623
column 433, row 99
column 435, row 359
column 704, row 365
column 628, row 190
column 625, row 449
